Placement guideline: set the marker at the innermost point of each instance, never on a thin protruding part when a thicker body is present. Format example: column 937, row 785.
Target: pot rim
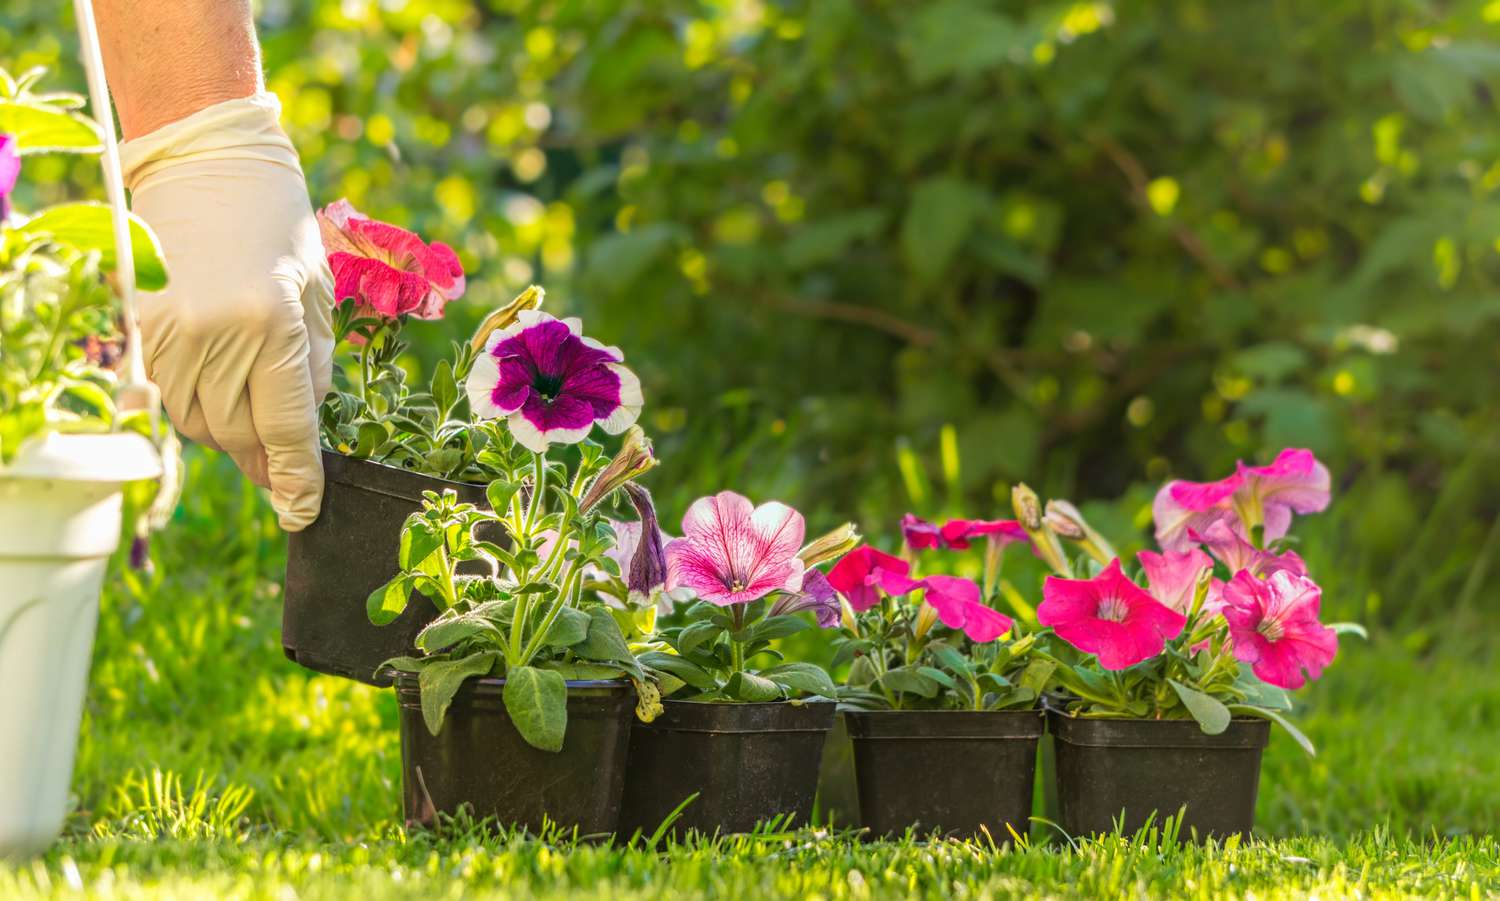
column 486, row 686
column 745, row 717
column 1244, row 732
column 382, row 478
column 945, row 725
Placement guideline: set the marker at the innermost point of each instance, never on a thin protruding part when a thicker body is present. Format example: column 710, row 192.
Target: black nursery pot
column 478, row 759
column 349, row 551
column 747, row 762
column 1140, row 767
column 958, row 772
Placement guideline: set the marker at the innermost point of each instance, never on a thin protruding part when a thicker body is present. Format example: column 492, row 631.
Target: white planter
column 59, row 523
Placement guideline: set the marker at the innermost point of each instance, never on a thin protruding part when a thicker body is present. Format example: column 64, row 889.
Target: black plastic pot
column 478, row 759
column 349, row 551
column 957, row 772
column 747, row 762
column 1109, row 768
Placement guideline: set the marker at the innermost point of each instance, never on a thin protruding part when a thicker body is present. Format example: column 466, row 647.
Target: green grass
column 209, row 765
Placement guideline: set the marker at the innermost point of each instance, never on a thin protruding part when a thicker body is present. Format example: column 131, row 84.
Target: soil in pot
column 349, row 551
column 478, row 759
column 957, row 772
column 748, row 763
column 1150, row 769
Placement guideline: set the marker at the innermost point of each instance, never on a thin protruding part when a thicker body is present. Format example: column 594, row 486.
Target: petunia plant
column 751, row 581
column 934, row 642
column 531, row 617
column 1223, row 621
column 385, row 276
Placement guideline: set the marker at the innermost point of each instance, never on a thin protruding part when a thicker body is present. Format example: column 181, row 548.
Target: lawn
column 210, row 765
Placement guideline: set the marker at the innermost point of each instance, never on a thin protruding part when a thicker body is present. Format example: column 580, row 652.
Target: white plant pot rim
column 106, row 457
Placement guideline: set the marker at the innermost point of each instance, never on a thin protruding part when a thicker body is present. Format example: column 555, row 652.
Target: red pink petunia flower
column 1109, row 616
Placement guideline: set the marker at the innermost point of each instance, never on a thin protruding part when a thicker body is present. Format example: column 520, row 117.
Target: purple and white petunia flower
column 552, row 383
column 816, row 595
column 733, row 552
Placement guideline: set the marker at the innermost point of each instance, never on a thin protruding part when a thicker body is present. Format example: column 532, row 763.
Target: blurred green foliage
column 1099, row 242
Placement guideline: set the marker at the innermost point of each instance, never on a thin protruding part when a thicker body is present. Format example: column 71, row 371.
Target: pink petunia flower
column 1109, row 616
column 552, row 383
column 10, row 170
column 958, row 605
column 864, row 573
column 387, row 270
column 1258, row 495
column 1273, row 624
column 956, row 534
column 732, row 552
column 1172, row 578
column 1229, row 547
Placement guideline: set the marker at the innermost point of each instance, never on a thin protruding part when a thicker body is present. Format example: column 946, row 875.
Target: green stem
column 564, row 598
column 538, row 489
column 736, row 649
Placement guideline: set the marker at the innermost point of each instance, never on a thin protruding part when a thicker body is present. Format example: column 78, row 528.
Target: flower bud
column 1027, row 506
column 635, row 459
column 1062, row 518
column 926, row 618
column 530, row 299
column 832, row 546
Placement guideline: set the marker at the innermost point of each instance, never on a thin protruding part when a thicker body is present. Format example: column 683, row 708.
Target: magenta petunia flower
column 1171, row 578
column 956, row 534
column 817, row 595
column 1229, row 547
column 387, row 270
column 1274, row 626
column 1109, row 616
column 732, row 552
column 552, row 383
column 864, row 573
column 10, row 170
column 958, row 606
column 1266, row 495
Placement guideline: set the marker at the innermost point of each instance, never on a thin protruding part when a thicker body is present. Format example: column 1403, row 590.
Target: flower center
column 1272, row 629
column 1113, row 609
column 548, row 386
column 733, row 583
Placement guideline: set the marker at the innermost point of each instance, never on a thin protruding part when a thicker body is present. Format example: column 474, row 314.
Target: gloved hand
column 241, row 341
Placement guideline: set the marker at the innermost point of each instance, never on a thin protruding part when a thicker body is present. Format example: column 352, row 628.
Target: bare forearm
column 167, row 59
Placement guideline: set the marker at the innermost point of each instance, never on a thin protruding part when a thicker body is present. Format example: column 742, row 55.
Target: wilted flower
column 385, row 269
column 956, row 534
column 831, row 546
column 958, row 605
column 1273, row 624
column 1066, row 520
column 1044, row 543
column 10, row 170
column 635, row 459
column 817, row 595
column 1172, row 578
column 1230, row 548
column 552, row 383
column 648, row 562
column 1260, row 496
column 865, row 572
column 732, row 552
column 1109, row 616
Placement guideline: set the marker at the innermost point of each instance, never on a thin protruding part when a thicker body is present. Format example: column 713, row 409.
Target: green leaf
column 909, row 681
column 441, row 679
column 1260, row 694
column 604, row 640
column 1037, row 675
column 695, row 634
column 86, row 227
column 570, row 627
column 419, row 540
column 1212, row 716
column 958, row 37
column 775, row 627
column 1279, row 720
column 861, row 672
column 751, row 687
column 689, row 672
column 949, row 656
column 804, row 677
column 44, row 129
column 444, row 388
column 389, row 600
column 576, row 671
column 446, row 631
column 537, row 701
column 939, row 676
column 404, row 664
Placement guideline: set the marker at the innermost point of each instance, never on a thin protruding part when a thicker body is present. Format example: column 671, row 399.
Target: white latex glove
column 241, row 341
